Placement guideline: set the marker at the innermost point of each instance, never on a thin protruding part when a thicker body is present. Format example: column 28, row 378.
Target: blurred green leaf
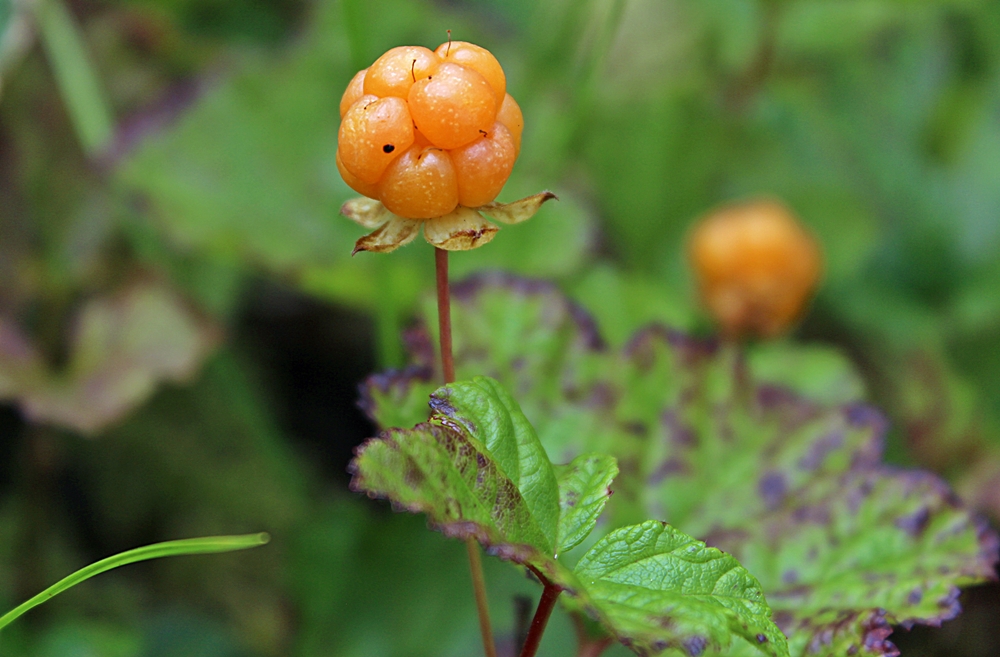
column 122, row 349
column 78, row 639
column 818, row 372
column 476, row 469
column 621, row 301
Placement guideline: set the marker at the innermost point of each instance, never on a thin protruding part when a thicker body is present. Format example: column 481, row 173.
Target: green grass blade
column 206, row 545
column 75, row 75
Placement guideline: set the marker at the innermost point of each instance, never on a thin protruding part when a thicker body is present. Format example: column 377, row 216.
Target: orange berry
column 756, row 267
column 477, row 58
column 354, row 92
column 394, row 73
column 453, row 105
column 420, row 184
column 372, row 134
column 371, row 191
column 510, row 115
column 483, row 166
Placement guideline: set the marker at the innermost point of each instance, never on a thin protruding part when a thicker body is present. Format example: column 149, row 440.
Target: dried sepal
column 517, row 211
column 366, row 212
column 393, row 234
column 462, row 230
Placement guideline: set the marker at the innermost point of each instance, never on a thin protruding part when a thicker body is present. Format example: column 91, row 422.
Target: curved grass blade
column 206, row 545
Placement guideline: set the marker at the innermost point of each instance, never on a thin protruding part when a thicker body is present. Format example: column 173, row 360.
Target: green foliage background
column 193, row 159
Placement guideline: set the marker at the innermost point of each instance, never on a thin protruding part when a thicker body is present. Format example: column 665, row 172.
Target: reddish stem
column 448, row 370
column 444, row 314
column 541, row 619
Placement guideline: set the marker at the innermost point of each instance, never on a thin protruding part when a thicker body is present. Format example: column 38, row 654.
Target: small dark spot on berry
column 388, row 148
column 484, row 133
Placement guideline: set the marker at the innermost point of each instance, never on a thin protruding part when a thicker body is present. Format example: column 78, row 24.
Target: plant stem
column 482, row 605
column 444, row 314
column 448, row 370
column 545, row 606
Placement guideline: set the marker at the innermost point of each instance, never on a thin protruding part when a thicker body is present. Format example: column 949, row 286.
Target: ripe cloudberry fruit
column 756, row 267
column 454, row 97
column 479, row 60
column 430, row 134
column 394, row 73
column 373, row 133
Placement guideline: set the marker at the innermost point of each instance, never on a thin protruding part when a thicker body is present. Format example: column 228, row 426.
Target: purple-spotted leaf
column 477, row 469
column 527, row 335
column 793, row 487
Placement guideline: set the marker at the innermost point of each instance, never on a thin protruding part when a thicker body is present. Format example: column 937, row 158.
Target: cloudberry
column 425, row 131
column 394, row 73
column 756, row 267
column 355, row 90
column 480, row 60
column 420, row 184
column 483, row 166
column 510, row 115
column 372, row 134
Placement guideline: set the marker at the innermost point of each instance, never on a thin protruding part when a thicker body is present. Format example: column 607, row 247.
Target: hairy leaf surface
column 583, row 491
column 650, row 577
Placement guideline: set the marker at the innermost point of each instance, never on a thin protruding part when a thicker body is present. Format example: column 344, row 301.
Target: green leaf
column 818, row 372
column 792, row 486
column 488, row 411
column 477, row 469
column 583, row 492
column 648, row 578
column 206, row 545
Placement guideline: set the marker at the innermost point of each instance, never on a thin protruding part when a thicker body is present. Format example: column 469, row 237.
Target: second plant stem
column 448, row 370
column 545, row 606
